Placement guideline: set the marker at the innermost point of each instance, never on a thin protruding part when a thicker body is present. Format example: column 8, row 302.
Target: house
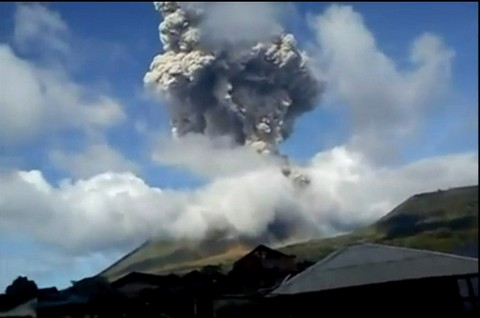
column 135, row 283
column 260, row 269
column 252, row 277
column 65, row 306
column 264, row 258
column 379, row 280
column 189, row 295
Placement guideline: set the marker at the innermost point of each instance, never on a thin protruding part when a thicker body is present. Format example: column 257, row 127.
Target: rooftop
column 145, row 278
column 367, row 263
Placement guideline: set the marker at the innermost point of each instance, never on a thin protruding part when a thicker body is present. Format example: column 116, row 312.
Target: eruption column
column 252, row 92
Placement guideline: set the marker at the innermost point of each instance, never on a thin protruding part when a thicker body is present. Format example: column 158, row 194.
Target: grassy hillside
column 445, row 221
column 180, row 256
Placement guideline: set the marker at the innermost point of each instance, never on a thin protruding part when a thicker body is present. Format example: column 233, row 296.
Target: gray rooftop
column 366, row 264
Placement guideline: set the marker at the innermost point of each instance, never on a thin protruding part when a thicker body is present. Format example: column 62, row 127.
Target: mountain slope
column 179, row 256
column 445, row 221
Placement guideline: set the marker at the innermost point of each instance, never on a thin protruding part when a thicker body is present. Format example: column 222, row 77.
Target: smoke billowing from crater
column 251, row 88
column 245, row 80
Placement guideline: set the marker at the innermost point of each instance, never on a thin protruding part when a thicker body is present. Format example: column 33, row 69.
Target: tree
column 22, row 289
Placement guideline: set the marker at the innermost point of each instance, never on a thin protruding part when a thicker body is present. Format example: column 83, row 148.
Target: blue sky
column 89, row 60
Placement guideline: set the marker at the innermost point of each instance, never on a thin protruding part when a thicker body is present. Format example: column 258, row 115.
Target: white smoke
column 208, row 157
column 115, row 210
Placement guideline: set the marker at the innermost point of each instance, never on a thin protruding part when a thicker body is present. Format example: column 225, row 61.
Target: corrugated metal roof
column 366, row 264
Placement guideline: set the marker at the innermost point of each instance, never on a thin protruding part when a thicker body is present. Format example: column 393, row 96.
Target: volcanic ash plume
column 252, row 92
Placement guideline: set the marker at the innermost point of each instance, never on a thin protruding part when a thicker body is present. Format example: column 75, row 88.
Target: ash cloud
column 238, row 23
column 251, row 91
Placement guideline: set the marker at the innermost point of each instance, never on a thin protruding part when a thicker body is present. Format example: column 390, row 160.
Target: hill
column 180, row 256
column 445, row 221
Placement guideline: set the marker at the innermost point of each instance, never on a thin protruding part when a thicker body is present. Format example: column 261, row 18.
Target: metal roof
column 366, row 264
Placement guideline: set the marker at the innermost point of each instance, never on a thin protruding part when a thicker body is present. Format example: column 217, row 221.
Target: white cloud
column 38, row 100
column 117, row 209
column 96, row 158
column 102, row 203
column 385, row 102
column 36, row 25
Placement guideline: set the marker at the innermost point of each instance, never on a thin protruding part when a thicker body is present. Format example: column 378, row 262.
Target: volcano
column 443, row 220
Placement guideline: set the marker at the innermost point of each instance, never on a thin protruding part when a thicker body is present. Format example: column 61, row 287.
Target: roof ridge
column 341, row 250
column 418, row 250
column 406, row 259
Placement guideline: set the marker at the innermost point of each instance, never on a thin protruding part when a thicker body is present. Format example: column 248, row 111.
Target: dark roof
column 366, row 264
column 145, row 278
column 48, row 292
column 194, row 275
column 66, row 300
column 271, row 253
column 27, row 309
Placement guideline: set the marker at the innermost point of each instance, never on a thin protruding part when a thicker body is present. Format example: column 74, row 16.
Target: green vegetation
column 445, row 221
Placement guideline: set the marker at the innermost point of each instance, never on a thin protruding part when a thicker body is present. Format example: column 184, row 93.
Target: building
column 264, row 258
column 200, row 293
column 261, row 268
column 135, row 283
column 252, row 276
column 380, row 280
column 186, row 296
column 65, row 306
